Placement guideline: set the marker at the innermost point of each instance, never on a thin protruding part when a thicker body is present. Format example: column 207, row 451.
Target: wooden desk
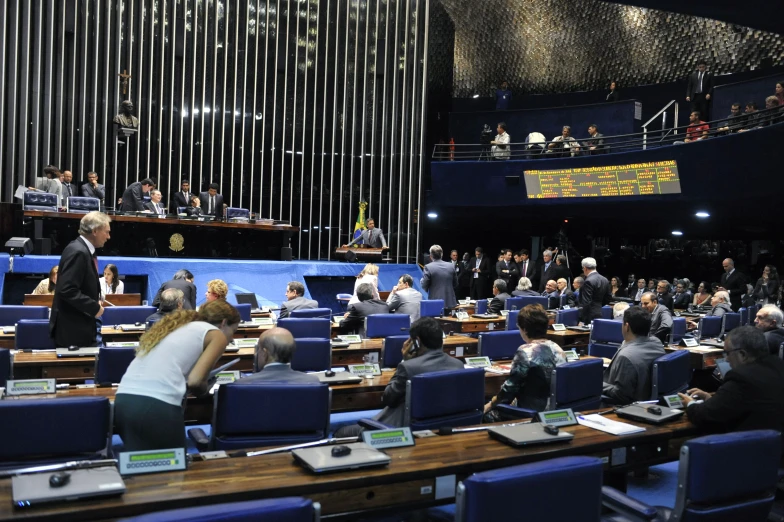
column 115, row 299
column 407, row 483
column 702, row 357
column 471, row 325
column 363, row 254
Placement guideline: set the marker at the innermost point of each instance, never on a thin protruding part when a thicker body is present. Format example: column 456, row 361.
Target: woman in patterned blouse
column 528, row 384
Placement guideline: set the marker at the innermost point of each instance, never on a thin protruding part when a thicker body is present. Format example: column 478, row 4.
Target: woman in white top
column 369, row 274
column 110, row 283
column 174, row 357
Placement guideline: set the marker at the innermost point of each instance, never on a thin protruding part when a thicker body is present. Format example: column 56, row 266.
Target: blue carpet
column 658, row 489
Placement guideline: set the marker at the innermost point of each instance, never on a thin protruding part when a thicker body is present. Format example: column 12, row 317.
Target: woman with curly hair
column 174, row 357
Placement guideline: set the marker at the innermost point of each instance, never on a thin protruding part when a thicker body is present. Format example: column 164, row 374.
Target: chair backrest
column 383, row 325
column 34, row 200
column 513, row 303
column 445, row 399
column 114, row 315
column 744, row 316
column 499, row 345
column 244, row 311
column 33, row 334
column 485, row 496
column 82, row 205
column 306, row 327
column 111, row 363
column 671, row 374
column 236, row 212
column 431, row 308
column 678, row 329
column 392, row 350
column 287, row 509
column 181, row 210
column 312, row 355
column 511, row 319
column 753, row 309
column 481, row 306
column 728, row 477
column 6, row 366
column 577, row 385
column 607, row 312
column 731, row 321
column 605, row 338
column 568, row 317
column 272, row 422
column 324, row 313
column 709, row 327
column 47, row 430
column 343, row 297
column 11, row 314
column 534, row 299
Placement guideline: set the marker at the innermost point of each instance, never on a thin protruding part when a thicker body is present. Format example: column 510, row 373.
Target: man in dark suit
column 547, row 271
column 733, row 282
column 183, row 197
column 427, row 356
column 480, row 268
column 182, row 280
column 525, row 266
column 272, row 360
column 752, row 394
column 69, row 188
column 296, row 300
column 93, row 189
column 700, row 90
column 355, row 317
column 566, row 295
column 507, row 269
column 371, row 237
column 681, row 299
column 154, row 205
column 77, row 303
column 661, row 319
column 561, row 270
column 594, row 293
column 212, row 202
column 133, row 197
column 769, row 321
column 500, row 296
column 594, row 144
column 663, row 294
column 439, row 278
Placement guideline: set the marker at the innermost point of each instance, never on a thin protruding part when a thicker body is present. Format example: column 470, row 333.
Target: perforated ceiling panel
column 544, row 46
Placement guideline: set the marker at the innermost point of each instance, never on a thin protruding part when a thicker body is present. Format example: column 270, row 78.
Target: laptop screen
column 247, row 298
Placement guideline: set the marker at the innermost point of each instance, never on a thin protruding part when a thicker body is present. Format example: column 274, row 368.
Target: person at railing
column 734, row 121
column 594, row 144
column 500, row 149
column 612, row 96
column 750, row 117
column 535, row 143
column 773, row 113
column 502, row 97
column 780, row 93
column 700, row 89
column 697, row 129
column 565, row 142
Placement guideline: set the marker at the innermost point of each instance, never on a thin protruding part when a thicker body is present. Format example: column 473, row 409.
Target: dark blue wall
column 742, row 92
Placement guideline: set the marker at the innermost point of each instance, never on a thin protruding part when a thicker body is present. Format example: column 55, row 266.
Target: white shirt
column 162, row 373
column 106, row 289
column 89, row 245
column 569, row 143
column 501, row 152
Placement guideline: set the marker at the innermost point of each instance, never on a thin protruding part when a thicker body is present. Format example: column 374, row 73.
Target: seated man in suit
column 171, row 300
column 524, row 288
column 212, row 202
column 93, row 189
column 661, row 319
column 618, row 310
column 563, row 291
column 272, row 360
column 769, row 319
column 628, row 378
column 355, row 317
column 195, row 209
column 720, row 305
column 154, row 205
column 594, row 144
column 499, row 297
column 550, row 289
column 682, row 299
column 404, row 299
column 663, row 294
column 636, row 294
column 372, row 237
column 296, row 300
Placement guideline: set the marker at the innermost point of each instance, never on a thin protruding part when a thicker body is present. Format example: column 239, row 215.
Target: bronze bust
column 126, row 118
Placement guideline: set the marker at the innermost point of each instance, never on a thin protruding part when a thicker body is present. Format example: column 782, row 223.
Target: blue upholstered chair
column 511, row 320
column 730, row 322
column 499, row 345
column 312, row 355
column 445, row 399
column 260, row 414
column 82, row 205
column 606, row 337
column 34, row 200
column 236, row 213
column 753, row 309
column 481, row 306
column 323, row 313
column 244, row 311
column 383, row 325
column 678, row 329
column 513, row 303
column 33, row 334
column 343, row 300
column 111, row 363
column 287, row 509
column 486, row 496
column 392, row 350
column 671, row 374
column 534, row 299
column 431, row 308
column 568, row 317
column 11, row 314
column 306, row 327
column 607, row 312
column 709, row 327
column 115, row 315
column 6, row 366
column 744, row 316
column 576, row 385
column 54, row 430
column 721, row 478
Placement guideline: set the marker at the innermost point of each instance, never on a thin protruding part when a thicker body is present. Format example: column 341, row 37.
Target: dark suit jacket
column 279, row 373
column 594, row 294
column 355, row 322
column 545, row 275
column 497, row 303
column 774, row 337
column 750, row 398
column 204, row 198
column 179, row 200
column 72, row 321
column 188, row 289
column 512, row 275
column 298, row 303
column 707, row 84
column 562, row 271
column 571, row 300
column 149, row 206
column 530, row 270
column 484, row 273
column 666, row 300
column 682, row 300
column 133, row 198
column 88, row 191
column 620, row 293
column 523, row 293
column 439, row 280
column 736, row 286
column 194, row 211
column 597, row 140
column 394, row 397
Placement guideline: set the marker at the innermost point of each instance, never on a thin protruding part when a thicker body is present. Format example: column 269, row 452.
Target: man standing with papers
column 628, row 378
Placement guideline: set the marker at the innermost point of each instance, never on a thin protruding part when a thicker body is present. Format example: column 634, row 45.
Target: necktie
column 700, row 87
column 370, row 238
column 95, row 262
column 67, row 189
column 212, row 205
column 525, row 266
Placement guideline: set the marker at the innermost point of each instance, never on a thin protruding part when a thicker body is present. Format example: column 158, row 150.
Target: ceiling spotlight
column 432, row 215
column 702, row 214
column 677, row 233
column 475, row 96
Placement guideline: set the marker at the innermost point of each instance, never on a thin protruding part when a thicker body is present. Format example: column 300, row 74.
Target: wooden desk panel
column 702, row 357
column 363, row 254
column 115, row 299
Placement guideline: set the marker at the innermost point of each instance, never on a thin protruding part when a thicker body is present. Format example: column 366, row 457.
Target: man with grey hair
column 272, row 360
column 547, row 271
column 663, row 294
column 594, row 293
column 171, row 300
column 500, row 296
column 154, row 205
column 770, row 320
column 720, row 303
column 565, row 295
column 734, row 282
column 439, row 278
column 618, row 310
column 524, row 288
column 76, row 304
column 565, row 144
column 296, row 300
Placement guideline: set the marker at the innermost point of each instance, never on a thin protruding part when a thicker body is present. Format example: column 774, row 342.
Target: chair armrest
column 513, row 412
column 626, row 505
column 201, row 439
column 372, row 425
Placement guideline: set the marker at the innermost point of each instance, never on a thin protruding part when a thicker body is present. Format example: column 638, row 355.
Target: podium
column 373, row 255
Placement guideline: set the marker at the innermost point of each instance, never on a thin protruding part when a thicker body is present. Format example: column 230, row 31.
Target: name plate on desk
column 364, row 369
column 137, row 462
column 30, row 387
column 477, row 362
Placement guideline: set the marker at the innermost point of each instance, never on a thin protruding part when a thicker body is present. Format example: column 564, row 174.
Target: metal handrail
column 663, row 113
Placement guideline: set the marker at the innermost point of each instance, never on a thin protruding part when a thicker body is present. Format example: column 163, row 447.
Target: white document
column 20, row 192
column 600, row 423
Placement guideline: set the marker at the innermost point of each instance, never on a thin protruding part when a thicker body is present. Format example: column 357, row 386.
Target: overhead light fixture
column 476, row 96
column 677, row 233
column 432, row 215
column 702, row 214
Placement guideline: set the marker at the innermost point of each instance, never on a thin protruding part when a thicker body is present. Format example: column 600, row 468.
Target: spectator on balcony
column 502, row 97
column 780, row 93
column 612, row 96
column 594, row 144
column 697, row 129
column 535, row 143
column 750, row 117
column 500, row 149
column 773, row 114
column 734, row 121
column 700, row 90
column 565, row 144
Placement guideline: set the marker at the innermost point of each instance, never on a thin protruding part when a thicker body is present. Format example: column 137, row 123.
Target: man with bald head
column 272, row 361
column 733, row 282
